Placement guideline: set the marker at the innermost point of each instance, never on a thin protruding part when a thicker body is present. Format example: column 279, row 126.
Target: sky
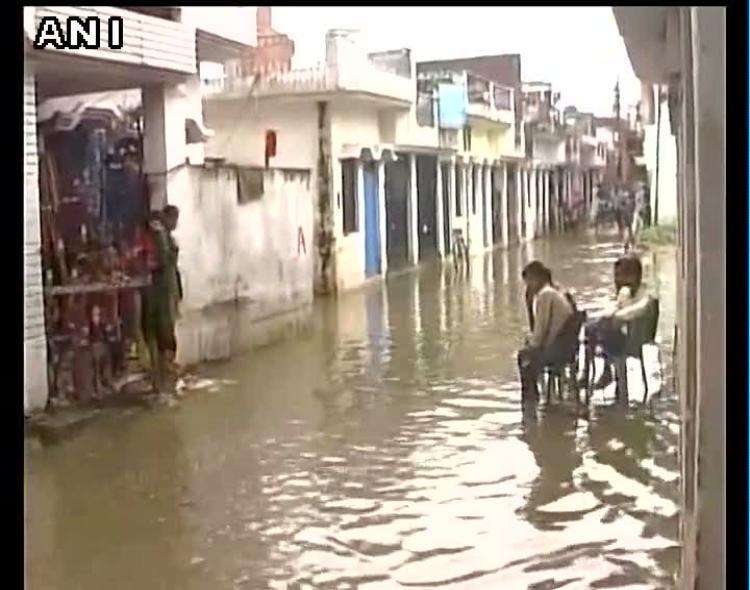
column 578, row 49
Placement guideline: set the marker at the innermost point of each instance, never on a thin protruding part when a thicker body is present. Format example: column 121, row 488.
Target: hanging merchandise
column 93, row 215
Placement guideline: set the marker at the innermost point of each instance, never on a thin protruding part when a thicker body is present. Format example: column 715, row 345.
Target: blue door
column 372, row 221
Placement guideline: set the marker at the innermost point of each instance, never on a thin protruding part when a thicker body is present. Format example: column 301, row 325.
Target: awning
column 196, row 133
column 215, row 48
column 374, row 152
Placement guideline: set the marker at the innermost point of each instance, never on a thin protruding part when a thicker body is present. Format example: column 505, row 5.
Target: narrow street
column 384, row 448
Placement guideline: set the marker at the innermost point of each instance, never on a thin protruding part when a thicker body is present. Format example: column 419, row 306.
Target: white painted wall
column 246, row 253
column 240, row 127
column 548, row 150
column 240, row 131
column 667, row 166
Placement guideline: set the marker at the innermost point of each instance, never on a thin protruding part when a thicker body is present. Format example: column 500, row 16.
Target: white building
column 385, row 172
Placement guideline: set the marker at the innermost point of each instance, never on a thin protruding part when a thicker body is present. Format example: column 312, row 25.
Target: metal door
column 396, row 202
column 372, row 221
column 446, row 181
column 426, row 206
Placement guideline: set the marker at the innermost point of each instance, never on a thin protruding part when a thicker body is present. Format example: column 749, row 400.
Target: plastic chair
column 641, row 331
column 568, row 342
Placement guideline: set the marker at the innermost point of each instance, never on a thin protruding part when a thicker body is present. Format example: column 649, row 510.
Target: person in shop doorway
column 551, row 311
column 161, row 298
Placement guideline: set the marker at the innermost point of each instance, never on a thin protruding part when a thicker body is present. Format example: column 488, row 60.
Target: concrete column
column 489, row 205
column 521, row 203
column 164, row 148
column 547, row 203
column 439, row 210
column 195, row 152
column 361, row 213
column 504, row 222
column 468, row 184
column 532, row 227
column 452, row 197
column 555, row 198
column 35, row 386
column 709, row 67
column 413, row 217
column 382, row 218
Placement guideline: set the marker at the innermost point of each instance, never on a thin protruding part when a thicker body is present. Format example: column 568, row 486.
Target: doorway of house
column 372, row 220
column 396, row 206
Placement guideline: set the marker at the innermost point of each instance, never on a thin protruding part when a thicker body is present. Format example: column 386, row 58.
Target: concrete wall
column 667, row 166
column 240, row 127
column 708, row 45
column 240, row 259
column 548, row 150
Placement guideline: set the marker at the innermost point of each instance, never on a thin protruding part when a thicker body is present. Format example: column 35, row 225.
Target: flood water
column 387, row 448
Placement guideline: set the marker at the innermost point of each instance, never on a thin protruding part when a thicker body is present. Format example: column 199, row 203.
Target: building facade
column 683, row 49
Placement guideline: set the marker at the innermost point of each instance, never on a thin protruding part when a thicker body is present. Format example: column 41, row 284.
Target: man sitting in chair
column 607, row 329
column 549, row 314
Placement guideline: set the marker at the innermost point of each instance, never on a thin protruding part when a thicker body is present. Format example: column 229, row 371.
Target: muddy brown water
column 385, row 449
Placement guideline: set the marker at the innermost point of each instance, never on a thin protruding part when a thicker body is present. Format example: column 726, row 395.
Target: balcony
column 489, row 101
column 157, row 43
column 367, row 81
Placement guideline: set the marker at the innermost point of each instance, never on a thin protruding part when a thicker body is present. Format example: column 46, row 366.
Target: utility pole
column 618, row 128
column 655, row 219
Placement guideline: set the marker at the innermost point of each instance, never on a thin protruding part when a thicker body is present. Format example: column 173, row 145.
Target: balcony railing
column 503, row 97
column 318, row 80
column 489, row 100
column 148, row 40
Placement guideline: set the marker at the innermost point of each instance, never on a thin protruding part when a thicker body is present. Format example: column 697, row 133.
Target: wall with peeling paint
column 249, row 256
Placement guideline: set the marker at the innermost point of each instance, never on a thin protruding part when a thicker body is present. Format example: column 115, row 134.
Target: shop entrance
column 95, row 259
column 396, row 201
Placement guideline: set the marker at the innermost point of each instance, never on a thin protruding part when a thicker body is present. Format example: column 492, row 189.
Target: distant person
column 608, row 328
column 624, row 215
column 550, row 311
column 638, row 211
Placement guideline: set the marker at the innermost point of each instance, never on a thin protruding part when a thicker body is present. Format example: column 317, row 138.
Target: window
column 459, row 195
column 349, row 192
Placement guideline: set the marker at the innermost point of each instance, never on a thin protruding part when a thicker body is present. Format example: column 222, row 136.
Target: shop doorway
column 95, row 207
column 372, row 220
column 427, row 206
column 396, row 212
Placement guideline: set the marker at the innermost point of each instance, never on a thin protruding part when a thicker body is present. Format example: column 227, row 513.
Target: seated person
column 551, row 311
column 607, row 329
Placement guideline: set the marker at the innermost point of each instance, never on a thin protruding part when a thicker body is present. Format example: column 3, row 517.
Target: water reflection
column 387, row 448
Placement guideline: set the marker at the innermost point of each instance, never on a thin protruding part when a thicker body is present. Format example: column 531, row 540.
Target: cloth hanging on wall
column 249, row 184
